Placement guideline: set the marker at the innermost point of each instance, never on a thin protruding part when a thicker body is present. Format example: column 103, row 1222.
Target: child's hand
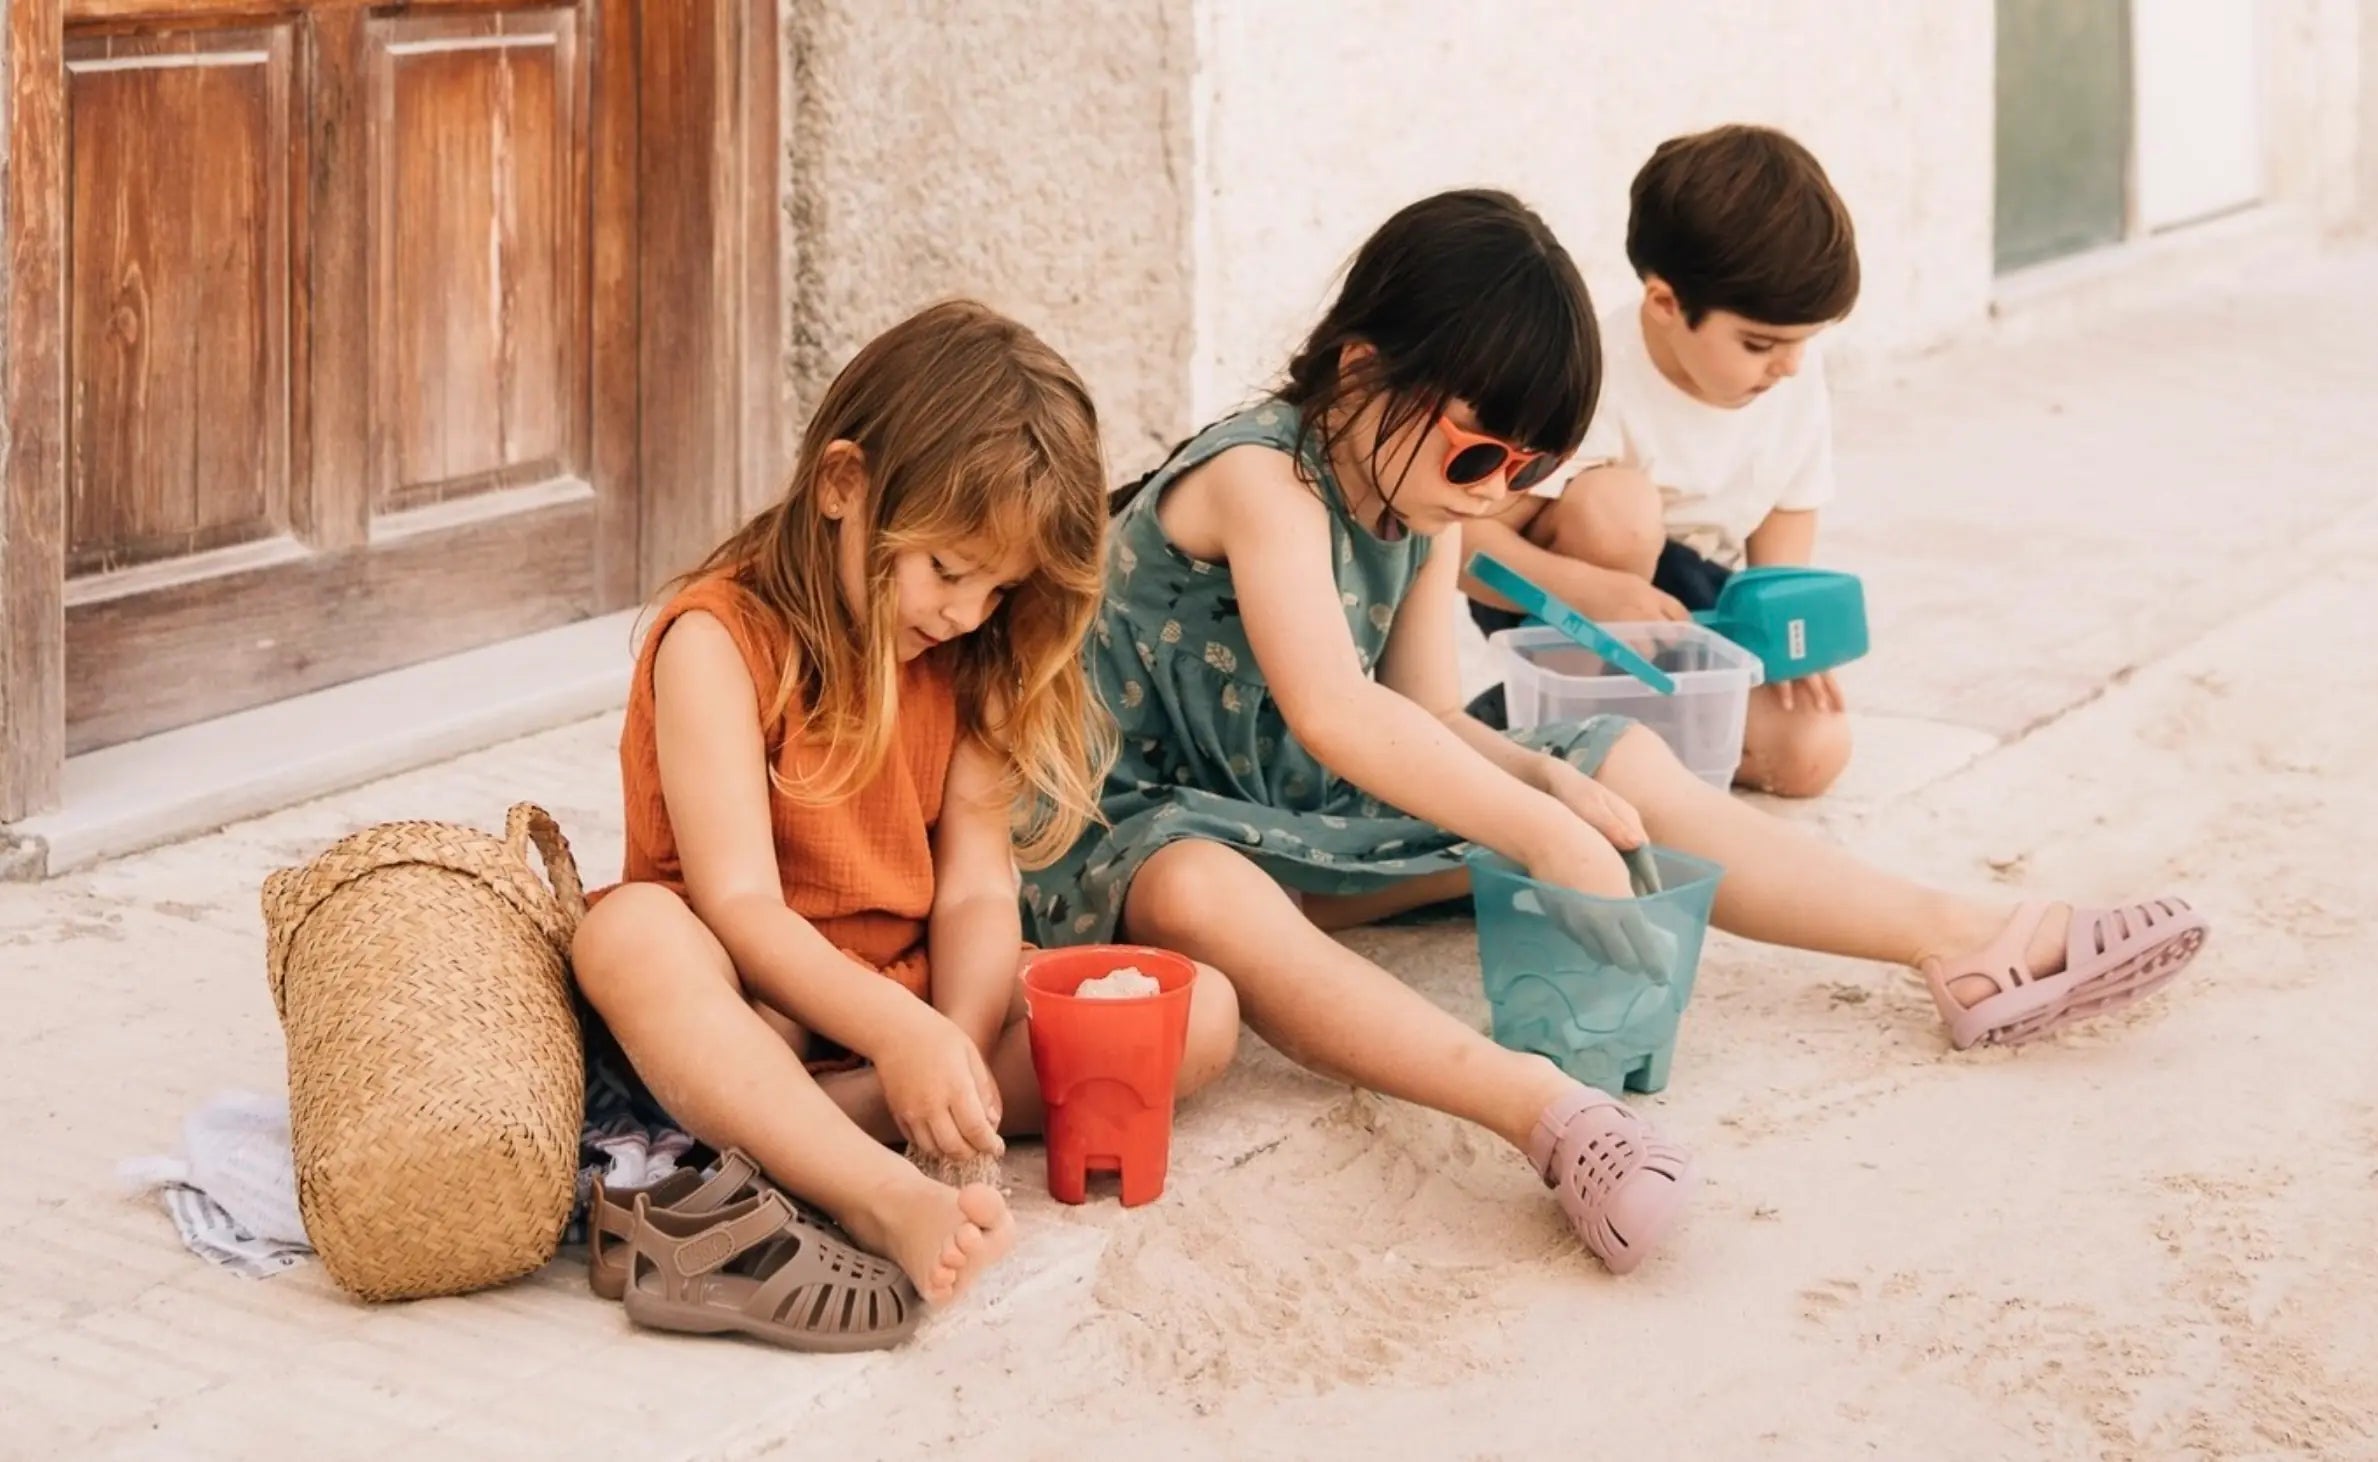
column 1584, row 861
column 1617, row 934
column 1818, row 692
column 1601, row 809
column 940, row 1092
column 1628, row 600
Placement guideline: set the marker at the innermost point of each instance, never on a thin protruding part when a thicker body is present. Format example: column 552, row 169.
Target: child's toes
column 944, row 1285
column 983, row 1207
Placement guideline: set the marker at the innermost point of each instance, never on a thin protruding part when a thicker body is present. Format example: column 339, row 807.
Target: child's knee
column 1610, row 517
column 1213, row 1029
column 640, row 934
column 608, row 936
column 1637, row 760
column 1808, row 757
column 1182, row 886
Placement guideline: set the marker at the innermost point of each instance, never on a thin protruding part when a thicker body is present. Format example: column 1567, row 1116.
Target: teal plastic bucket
column 1598, row 985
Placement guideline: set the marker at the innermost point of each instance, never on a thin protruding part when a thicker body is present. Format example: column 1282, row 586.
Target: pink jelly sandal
column 2112, row 957
column 1620, row 1182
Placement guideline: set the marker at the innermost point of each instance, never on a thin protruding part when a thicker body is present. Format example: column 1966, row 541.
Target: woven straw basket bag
column 436, row 1081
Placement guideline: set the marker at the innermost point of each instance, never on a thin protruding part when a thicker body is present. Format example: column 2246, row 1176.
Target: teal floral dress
column 1205, row 750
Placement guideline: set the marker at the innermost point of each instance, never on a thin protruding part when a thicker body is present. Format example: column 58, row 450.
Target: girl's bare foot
column 1977, row 928
column 943, row 1237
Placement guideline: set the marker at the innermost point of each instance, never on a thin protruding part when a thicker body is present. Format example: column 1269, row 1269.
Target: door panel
column 332, row 369
column 178, row 394
column 2063, row 128
column 339, row 337
column 477, row 118
column 204, row 645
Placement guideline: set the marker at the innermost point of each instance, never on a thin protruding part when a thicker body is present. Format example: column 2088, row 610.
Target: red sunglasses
column 1471, row 458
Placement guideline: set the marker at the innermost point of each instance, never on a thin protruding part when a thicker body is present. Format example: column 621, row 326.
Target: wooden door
column 349, row 351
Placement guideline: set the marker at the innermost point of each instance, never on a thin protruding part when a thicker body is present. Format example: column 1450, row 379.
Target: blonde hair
column 972, row 428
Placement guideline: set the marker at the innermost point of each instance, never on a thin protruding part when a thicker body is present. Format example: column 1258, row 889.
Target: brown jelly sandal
column 611, row 1213
column 763, row 1267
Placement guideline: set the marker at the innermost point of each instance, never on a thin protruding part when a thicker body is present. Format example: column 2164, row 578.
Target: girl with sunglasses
column 1277, row 646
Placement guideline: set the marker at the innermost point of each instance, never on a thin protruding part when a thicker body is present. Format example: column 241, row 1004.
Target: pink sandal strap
column 1620, row 1183
column 2112, row 957
column 2117, row 955
column 1554, row 1120
column 2109, row 936
column 2006, row 963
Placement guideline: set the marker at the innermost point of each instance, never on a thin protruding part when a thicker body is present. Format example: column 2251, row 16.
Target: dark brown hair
column 1462, row 295
column 1743, row 219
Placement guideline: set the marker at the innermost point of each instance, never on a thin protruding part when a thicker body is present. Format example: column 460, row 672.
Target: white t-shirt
column 1720, row 470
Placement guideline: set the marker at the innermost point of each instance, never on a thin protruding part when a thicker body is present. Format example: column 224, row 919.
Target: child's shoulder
column 1251, row 447
column 718, row 594
column 729, row 602
column 719, row 600
column 1273, row 425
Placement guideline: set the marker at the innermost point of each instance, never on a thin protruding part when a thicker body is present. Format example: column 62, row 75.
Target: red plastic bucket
column 1107, row 1067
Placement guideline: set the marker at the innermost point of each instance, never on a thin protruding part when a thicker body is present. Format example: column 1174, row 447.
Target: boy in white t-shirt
column 1712, row 445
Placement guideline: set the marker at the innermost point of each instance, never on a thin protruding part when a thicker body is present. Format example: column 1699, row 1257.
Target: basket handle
column 291, row 894
column 528, row 824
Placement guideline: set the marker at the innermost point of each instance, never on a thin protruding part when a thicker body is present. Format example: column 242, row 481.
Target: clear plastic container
column 1549, row 678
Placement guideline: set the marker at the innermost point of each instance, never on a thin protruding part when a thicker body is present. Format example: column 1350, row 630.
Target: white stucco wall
column 1312, row 126
column 2366, row 142
column 1032, row 153
column 2366, row 138
column 2314, row 85
column 1313, row 130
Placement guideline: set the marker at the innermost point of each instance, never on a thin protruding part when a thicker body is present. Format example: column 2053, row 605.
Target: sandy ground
column 2117, row 582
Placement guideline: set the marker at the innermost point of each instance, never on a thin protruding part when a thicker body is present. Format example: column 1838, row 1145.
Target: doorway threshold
column 182, row 783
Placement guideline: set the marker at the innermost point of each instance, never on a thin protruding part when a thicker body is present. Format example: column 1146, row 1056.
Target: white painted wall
column 2196, row 75
column 2364, row 140
column 1314, row 119
column 1314, row 127
column 2313, row 90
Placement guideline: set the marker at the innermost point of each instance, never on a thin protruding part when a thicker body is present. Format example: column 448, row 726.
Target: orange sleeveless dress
column 861, row 870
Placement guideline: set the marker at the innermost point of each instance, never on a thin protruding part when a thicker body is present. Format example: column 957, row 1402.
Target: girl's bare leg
column 668, row 992
column 1324, row 1006
column 1783, row 886
column 1333, row 912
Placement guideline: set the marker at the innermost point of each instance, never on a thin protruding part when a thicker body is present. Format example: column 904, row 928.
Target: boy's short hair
column 1743, row 219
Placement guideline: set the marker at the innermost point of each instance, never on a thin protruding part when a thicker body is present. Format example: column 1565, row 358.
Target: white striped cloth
column 232, row 1189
